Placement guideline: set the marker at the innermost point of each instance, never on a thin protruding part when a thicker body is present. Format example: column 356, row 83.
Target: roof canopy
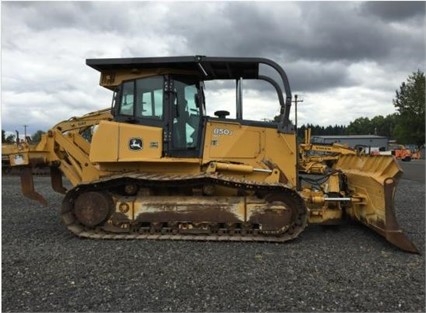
column 208, row 67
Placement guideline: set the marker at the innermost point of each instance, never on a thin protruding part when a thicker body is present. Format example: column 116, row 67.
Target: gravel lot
column 346, row 269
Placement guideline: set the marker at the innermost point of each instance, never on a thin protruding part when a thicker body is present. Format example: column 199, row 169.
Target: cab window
column 149, row 93
column 186, row 115
column 127, row 95
column 142, row 98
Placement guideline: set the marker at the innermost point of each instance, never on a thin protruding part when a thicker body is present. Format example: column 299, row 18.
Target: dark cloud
column 321, row 33
column 47, row 15
column 323, row 46
column 394, row 11
column 315, row 31
column 89, row 16
column 325, row 31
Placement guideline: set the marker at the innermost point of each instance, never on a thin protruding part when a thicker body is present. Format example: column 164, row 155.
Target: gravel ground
column 344, row 269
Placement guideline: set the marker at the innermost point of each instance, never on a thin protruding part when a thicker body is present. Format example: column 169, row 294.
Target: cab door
column 158, row 116
column 141, row 119
column 185, row 123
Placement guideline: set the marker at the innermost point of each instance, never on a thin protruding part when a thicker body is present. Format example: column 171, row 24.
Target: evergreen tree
column 410, row 104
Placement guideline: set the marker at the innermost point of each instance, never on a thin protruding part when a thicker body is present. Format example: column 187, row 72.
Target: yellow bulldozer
column 155, row 165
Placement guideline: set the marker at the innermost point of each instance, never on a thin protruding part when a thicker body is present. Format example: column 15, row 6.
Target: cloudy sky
column 344, row 59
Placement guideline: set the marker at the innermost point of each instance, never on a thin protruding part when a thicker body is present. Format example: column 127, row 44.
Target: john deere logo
column 135, row 144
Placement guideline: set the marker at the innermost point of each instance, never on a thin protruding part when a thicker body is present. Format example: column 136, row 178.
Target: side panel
column 138, row 142
column 232, row 141
column 104, row 145
column 123, row 142
column 263, row 148
column 281, row 152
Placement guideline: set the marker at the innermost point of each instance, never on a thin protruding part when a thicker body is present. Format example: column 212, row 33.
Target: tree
column 378, row 125
column 410, row 104
column 388, row 126
column 7, row 139
column 37, row 136
column 360, row 126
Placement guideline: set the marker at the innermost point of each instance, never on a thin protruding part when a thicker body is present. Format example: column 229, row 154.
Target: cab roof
column 208, row 67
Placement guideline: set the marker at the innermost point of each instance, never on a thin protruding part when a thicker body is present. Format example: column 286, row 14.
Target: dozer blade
column 372, row 181
column 27, row 186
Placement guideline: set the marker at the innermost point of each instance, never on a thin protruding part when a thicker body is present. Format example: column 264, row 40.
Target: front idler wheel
column 284, row 214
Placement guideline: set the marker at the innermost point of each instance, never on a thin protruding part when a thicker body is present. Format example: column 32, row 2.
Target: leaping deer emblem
column 135, row 144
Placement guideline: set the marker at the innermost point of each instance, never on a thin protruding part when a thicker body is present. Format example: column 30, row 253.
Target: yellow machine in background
column 318, row 158
column 156, row 166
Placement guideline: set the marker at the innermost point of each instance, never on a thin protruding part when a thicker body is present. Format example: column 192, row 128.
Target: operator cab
column 172, row 102
column 167, row 93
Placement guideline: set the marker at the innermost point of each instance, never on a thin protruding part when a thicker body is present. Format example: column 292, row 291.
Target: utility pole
column 296, row 101
column 25, row 132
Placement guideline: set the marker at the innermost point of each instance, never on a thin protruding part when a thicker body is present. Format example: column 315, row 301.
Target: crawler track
column 154, row 181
